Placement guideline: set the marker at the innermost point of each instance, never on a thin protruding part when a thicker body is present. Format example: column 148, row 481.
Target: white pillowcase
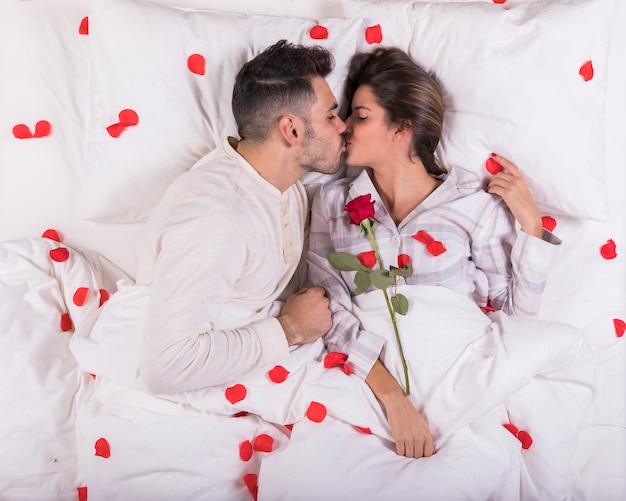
column 510, row 75
column 140, row 62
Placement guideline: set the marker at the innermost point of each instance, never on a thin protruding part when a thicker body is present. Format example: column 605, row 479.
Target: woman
column 394, row 124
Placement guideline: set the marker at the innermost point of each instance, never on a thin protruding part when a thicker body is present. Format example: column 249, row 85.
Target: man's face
column 324, row 141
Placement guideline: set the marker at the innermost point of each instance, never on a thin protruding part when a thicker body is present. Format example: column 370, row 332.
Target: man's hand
column 306, row 316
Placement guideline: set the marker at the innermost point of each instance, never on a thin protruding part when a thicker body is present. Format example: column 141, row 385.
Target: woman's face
column 369, row 137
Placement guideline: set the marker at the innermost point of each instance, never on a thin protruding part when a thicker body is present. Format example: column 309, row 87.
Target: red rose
column 360, row 208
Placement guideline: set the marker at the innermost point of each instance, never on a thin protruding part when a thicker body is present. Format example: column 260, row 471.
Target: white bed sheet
column 40, row 188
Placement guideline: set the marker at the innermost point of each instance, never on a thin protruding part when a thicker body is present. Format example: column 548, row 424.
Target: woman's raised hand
column 510, row 184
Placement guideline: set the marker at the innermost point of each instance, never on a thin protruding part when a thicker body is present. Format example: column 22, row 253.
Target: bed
column 103, row 103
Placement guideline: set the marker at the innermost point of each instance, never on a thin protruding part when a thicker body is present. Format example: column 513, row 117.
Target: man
column 228, row 235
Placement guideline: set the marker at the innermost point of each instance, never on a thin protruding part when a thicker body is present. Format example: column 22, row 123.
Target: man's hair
column 275, row 83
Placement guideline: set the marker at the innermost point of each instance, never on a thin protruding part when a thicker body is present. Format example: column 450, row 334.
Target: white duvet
column 301, row 430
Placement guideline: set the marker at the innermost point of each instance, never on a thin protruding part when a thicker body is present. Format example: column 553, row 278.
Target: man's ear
column 291, row 129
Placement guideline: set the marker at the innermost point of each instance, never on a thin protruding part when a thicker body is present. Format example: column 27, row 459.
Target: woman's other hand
column 510, row 184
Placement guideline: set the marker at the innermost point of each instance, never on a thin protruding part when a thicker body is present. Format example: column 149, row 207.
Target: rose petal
column 42, row 128
column 251, row 481
column 128, row 117
column 82, row 493
column 337, row 359
column 263, row 443
column 59, row 254
column 319, row 32
column 196, row 64
column 512, row 428
column 367, row 258
column 66, row 322
column 608, row 250
column 80, row 296
column 104, row 296
column 316, row 412
column 83, row 29
column 362, row 429
column 278, row 374
column 21, row 131
column 241, row 414
column 374, row 34
column 586, row 71
column 115, row 130
column 499, row 1
column 423, row 237
column 492, row 166
column 549, row 223
column 245, row 450
column 403, row 260
column 51, row 234
column 620, row 327
column 235, row 393
column 103, row 449
column 525, row 439
column 435, row 248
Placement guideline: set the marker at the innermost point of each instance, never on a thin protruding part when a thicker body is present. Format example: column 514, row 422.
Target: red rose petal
column 196, row 64
column 251, row 482
column 549, row 223
column 128, row 117
column 492, row 166
column 337, row 359
column 586, row 71
column 80, row 296
column 374, row 34
column 59, row 254
column 499, row 1
column 620, row 327
column 289, row 426
column 318, row 32
column 241, row 414
column 104, row 296
column 51, row 234
column 512, row 428
column 608, row 250
column 115, row 130
column 66, row 322
column 82, row 493
column 42, row 128
column 278, row 374
column 263, row 443
column 103, row 449
column 367, row 258
column 316, row 412
column 235, row 393
column 21, row 131
column 245, row 450
column 362, row 429
column 525, row 439
column 83, row 29
column 435, row 248
column 403, row 260
column 423, row 237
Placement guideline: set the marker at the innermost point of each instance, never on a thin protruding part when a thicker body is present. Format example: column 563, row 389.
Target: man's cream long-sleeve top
column 219, row 250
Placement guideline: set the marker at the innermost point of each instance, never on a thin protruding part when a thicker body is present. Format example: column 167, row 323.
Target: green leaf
column 405, row 272
column 382, row 279
column 344, row 261
column 400, row 304
column 362, row 281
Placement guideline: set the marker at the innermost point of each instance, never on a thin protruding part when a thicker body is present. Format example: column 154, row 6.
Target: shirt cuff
column 365, row 352
column 533, row 256
column 273, row 341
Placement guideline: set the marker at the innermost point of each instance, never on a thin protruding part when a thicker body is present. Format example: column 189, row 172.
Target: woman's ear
column 291, row 129
column 404, row 131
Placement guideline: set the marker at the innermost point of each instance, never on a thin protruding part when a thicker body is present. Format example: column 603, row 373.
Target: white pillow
column 511, row 81
column 140, row 62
